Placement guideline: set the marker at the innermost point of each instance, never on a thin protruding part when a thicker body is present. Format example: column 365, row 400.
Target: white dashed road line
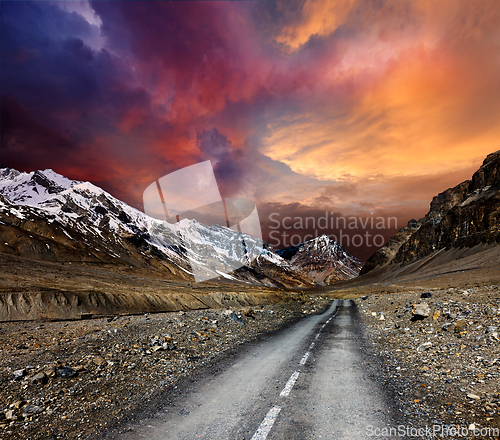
column 289, row 385
column 267, row 423
column 304, row 358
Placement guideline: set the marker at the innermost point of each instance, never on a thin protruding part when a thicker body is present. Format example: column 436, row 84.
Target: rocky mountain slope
column 323, row 260
column 466, row 215
column 44, row 215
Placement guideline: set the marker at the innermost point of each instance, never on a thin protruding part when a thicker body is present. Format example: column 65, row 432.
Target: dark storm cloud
column 232, row 166
column 29, row 144
column 60, row 95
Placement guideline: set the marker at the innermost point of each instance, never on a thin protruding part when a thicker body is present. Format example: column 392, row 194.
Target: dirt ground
column 67, row 380
column 445, row 366
column 75, row 378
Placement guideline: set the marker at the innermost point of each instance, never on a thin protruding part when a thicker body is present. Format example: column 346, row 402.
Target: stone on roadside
column 10, row 415
column 19, row 374
column 98, row 360
column 424, row 346
column 459, row 327
column 30, row 410
column 473, row 396
column 39, row 378
column 65, row 372
column 232, row 315
column 491, row 329
column 436, row 315
column 426, row 295
column 446, row 326
column 18, row 404
column 420, row 311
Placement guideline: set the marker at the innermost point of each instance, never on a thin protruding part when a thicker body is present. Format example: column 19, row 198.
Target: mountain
column 44, row 215
column 464, row 216
column 323, row 260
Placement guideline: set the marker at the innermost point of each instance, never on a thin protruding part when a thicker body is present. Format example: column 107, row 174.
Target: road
column 309, row 381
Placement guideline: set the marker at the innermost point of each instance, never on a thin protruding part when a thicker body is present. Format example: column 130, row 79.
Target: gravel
column 72, row 380
column 445, row 366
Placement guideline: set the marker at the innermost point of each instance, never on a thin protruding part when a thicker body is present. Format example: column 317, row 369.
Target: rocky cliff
column 466, row 215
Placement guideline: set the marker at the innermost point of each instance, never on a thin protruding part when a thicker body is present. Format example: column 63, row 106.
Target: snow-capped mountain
column 323, row 260
column 32, row 188
column 56, row 218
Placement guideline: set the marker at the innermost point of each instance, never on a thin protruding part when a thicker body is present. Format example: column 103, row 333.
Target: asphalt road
column 309, row 381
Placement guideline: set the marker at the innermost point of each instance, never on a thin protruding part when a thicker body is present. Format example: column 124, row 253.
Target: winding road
column 308, row 381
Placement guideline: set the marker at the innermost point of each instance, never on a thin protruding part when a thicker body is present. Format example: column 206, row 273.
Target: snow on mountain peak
column 32, row 188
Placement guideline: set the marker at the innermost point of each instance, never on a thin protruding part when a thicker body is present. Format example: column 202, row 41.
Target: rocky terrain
column 441, row 348
column 69, row 380
column 466, row 215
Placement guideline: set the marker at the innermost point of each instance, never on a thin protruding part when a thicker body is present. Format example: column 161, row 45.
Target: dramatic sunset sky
column 355, row 107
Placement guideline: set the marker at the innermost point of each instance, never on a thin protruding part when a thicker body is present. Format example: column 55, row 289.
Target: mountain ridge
column 323, row 259
column 466, row 215
column 108, row 230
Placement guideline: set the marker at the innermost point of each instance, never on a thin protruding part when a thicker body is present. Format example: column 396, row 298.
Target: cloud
column 353, row 106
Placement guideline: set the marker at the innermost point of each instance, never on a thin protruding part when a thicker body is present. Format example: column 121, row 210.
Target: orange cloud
column 419, row 102
column 318, row 18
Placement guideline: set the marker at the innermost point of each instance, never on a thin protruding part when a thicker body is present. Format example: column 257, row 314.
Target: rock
column 436, row 315
column 10, row 415
column 39, row 378
column 232, row 315
column 452, row 316
column 98, row 360
column 19, row 374
column 382, row 317
column 65, row 372
column 19, row 404
column 50, row 372
column 426, row 295
column 446, row 326
column 157, row 348
column 420, row 311
column 459, row 327
column 424, row 346
column 30, row 410
column 491, row 329
column 473, row 396
column 250, row 313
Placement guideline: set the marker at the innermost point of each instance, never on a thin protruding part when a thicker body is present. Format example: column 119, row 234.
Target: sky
column 359, row 109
